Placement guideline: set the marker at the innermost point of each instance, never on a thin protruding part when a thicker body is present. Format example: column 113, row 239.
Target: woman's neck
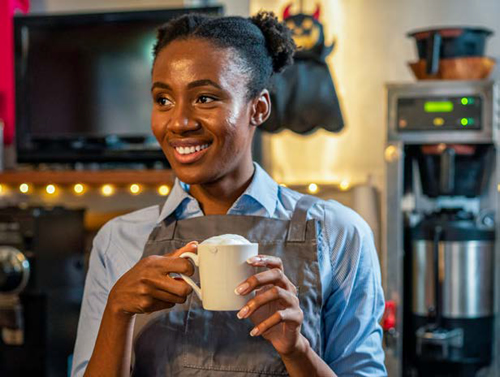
column 216, row 198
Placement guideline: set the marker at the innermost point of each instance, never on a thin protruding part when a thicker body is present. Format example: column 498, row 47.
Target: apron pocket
column 219, row 341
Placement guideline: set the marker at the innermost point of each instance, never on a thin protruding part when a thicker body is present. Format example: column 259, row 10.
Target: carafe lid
column 454, row 224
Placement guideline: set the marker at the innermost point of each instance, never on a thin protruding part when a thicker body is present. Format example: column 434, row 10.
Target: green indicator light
column 464, row 101
column 438, row 107
column 464, row 121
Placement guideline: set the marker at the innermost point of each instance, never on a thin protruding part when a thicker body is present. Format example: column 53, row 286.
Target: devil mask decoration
column 303, row 96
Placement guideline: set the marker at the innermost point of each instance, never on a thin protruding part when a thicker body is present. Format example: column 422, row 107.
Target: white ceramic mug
column 222, row 269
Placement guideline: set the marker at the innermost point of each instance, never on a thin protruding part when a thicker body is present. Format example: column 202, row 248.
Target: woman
column 318, row 297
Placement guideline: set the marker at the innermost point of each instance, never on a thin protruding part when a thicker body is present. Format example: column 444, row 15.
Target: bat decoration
column 303, row 96
column 307, row 32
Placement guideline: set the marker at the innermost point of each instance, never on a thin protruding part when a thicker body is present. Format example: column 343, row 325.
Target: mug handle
column 187, row 279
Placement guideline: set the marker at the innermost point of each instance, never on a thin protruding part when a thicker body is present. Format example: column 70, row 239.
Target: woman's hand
column 147, row 287
column 275, row 309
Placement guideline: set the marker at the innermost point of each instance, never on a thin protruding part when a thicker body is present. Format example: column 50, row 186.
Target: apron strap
column 297, row 229
column 163, row 231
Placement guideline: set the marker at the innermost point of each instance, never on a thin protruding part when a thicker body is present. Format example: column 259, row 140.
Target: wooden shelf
column 98, row 177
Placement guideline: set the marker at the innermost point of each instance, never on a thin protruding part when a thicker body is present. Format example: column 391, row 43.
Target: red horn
column 286, row 12
column 23, row 5
column 317, row 12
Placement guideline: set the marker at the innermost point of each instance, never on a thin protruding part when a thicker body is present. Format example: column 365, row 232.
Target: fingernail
column 193, row 244
column 254, row 332
column 242, row 288
column 241, row 314
column 255, row 259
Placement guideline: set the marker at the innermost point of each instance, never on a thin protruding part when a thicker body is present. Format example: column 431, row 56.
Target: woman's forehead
column 183, row 61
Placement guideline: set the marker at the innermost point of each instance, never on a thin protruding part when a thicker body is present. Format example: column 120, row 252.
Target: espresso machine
column 41, row 286
column 441, row 258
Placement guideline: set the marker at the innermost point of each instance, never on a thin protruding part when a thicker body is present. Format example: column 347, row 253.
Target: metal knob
column 14, row 270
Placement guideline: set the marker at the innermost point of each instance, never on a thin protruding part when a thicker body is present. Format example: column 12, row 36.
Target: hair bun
column 279, row 41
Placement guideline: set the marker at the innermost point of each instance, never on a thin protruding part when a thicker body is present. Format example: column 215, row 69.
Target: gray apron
column 187, row 340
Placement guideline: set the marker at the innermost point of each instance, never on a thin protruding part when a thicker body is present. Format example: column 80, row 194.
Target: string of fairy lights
column 108, row 189
column 80, row 189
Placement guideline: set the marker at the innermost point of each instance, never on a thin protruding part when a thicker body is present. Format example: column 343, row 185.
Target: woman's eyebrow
column 204, row 82
column 160, row 85
column 191, row 85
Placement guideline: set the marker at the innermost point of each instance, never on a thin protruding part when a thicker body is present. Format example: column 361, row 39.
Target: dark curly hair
column 264, row 44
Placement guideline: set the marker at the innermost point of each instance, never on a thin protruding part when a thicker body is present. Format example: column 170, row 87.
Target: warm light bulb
column 344, row 185
column 24, row 188
column 2, row 189
column 313, row 188
column 391, row 153
column 107, row 190
column 79, row 189
column 50, row 189
column 135, row 189
column 163, row 190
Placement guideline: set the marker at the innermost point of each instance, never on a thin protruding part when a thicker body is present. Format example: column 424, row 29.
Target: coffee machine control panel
column 443, row 113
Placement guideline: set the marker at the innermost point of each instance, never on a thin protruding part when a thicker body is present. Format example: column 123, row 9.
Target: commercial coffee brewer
column 440, row 259
column 41, row 285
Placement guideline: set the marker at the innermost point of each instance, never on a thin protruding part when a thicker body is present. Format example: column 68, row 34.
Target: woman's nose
column 182, row 120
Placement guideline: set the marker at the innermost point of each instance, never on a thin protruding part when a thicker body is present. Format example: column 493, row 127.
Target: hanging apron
column 187, row 340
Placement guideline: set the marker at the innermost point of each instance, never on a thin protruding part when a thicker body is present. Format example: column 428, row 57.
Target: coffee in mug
column 222, row 263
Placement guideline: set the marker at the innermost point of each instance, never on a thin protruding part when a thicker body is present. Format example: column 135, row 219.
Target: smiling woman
column 210, row 91
column 199, row 102
column 312, row 309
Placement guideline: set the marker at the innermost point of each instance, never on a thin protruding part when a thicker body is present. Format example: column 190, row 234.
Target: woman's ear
column 261, row 108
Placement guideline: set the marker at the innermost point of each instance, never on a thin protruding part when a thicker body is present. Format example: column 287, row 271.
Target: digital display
column 438, row 107
column 439, row 113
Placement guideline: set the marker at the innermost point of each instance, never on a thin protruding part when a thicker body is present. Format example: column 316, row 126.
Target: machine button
column 438, row 122
column 389, row 318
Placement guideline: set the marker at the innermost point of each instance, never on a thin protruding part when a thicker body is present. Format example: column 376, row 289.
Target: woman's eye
column 163, row 101
column 205, row 99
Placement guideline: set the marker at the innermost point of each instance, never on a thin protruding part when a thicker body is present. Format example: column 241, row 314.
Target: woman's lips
column 191, row 157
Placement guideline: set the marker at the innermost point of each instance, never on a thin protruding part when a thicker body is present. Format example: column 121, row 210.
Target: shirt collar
column 263, row 189
column 178, row 195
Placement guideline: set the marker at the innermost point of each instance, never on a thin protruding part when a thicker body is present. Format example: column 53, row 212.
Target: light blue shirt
column 353, row 300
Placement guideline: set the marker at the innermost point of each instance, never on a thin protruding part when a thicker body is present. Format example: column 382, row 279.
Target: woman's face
column 201, row 115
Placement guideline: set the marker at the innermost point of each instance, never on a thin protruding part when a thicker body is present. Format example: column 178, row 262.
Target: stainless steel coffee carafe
column 452, row 289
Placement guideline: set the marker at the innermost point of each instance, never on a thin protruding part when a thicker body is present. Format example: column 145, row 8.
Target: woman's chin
column 191, row 176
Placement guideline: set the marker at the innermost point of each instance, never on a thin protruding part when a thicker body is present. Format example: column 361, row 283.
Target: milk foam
column 226, row 239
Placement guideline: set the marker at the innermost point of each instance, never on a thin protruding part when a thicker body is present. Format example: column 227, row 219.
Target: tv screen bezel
column 90, row 149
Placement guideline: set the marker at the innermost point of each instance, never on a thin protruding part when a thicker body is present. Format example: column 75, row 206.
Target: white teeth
column 189, row 150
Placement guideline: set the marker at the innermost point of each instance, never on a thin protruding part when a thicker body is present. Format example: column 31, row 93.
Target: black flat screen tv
column 83, row 86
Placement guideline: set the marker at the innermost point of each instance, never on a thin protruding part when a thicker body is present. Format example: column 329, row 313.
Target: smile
column 190, row 154
column 190, row 150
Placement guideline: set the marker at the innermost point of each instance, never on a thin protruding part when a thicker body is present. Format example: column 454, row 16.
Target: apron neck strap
column 297, row 230
column 165, row 230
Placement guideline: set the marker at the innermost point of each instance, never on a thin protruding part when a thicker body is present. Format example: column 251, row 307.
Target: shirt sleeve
column 94, row 301
column 355, row 302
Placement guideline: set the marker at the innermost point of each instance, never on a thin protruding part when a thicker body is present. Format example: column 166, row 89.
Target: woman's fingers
column 161, row 295
column 156, row 305
column 268, row 261
column 287, row 299
column 191, row 246
column 167, row 284
column 171, row 262
column 275, row 276
column 289, row 315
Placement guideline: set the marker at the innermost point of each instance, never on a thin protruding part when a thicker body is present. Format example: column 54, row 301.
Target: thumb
column 191, row 247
